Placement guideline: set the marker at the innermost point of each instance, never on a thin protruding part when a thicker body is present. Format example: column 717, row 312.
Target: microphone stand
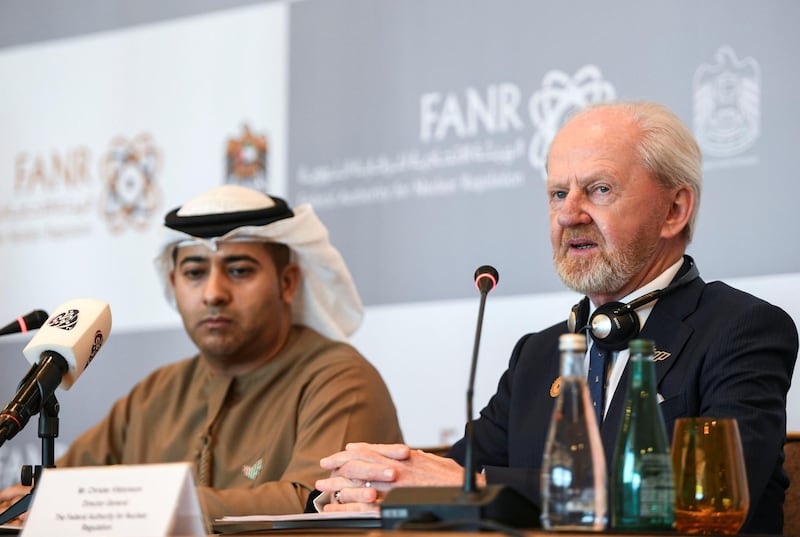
column 48, row 432
column 470, row 488
column 467, row 508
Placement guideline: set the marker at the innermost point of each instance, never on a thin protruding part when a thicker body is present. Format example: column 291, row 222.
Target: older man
column 268, row 302
column 623, row 186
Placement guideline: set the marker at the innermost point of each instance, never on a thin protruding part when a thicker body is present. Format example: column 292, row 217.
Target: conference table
column 425, row 533
column 378, row 532
column 319, row 532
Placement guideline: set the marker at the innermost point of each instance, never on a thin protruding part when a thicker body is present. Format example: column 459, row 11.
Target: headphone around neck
column 614, row 324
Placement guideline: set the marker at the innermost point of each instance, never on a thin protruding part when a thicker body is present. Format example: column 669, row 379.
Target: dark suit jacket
column 731, row 355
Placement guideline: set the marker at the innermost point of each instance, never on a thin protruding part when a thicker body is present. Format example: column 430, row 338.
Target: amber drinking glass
column 711, row 495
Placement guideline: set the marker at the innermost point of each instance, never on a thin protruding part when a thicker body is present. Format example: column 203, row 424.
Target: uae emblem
column 246, row 160
column 727, row 104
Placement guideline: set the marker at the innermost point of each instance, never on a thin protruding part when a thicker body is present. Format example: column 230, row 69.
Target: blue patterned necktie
column 598, row 367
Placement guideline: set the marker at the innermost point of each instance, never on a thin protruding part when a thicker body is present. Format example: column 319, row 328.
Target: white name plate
column 150, row 500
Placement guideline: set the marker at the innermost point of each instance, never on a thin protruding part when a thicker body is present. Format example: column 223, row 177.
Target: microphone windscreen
column 486, row 278
column 35, row 319
column 76, row 331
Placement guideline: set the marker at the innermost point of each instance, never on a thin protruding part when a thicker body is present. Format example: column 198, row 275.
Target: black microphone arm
column 36, row 387
column 486, row 278
column 468, row 508
column 35, row 395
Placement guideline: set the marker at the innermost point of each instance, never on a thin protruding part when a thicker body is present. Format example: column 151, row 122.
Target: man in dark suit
column 623, row 187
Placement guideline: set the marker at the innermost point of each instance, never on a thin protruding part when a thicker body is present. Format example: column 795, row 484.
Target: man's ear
column 680, row 212
column 290, row 281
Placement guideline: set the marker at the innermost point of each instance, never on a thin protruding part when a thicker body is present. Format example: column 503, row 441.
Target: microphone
column 467, row 508
column 61, row 350
column 486, row 278
column 31, row 321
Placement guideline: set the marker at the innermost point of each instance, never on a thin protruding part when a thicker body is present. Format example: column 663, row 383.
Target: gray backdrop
column 356, row 92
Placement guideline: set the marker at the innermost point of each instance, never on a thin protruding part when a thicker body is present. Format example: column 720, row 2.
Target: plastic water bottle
column 642, row 487
column 573, row 483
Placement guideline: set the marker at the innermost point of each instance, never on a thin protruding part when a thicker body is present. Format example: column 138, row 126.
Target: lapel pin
column 661, row 355
column 555, row 388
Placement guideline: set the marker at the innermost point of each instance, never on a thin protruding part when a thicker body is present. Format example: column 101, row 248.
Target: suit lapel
column 666, row 328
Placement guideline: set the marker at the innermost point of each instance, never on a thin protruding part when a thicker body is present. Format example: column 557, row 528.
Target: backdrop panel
column 100, row 135
column 430, row 121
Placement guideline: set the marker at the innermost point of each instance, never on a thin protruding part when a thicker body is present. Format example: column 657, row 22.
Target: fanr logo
column 470, row 113
column 36, row 172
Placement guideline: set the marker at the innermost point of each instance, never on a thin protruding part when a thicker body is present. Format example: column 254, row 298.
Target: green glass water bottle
column 642, row 486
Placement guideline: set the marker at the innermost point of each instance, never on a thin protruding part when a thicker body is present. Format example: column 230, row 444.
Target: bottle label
column 657, row 491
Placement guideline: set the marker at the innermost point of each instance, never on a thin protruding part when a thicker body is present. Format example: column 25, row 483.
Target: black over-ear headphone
column 614, row 324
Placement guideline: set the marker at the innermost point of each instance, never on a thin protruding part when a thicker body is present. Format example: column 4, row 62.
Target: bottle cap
column 572, row 342
column 642, row 346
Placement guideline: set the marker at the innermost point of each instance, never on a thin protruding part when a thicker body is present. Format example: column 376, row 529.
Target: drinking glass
column 711, row 494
